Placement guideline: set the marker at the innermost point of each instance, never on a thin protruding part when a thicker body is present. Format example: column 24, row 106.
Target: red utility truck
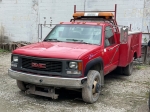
column 77, row 55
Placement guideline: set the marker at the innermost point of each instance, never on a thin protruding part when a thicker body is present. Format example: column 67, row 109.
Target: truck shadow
column 65, row 95
column 114, row 77
column 75, row 97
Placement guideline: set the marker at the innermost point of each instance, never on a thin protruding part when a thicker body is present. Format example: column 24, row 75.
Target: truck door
column 111, row 50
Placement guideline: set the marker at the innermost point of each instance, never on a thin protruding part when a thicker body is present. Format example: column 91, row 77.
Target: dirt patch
column 120, row 94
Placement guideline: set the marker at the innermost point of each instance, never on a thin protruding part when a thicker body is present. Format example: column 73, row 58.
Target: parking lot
column 120, row 94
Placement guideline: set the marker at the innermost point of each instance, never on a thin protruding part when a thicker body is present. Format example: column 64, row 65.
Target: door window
column 109, row 36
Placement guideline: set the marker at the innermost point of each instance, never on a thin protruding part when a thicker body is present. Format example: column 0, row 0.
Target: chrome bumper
column 45, row 80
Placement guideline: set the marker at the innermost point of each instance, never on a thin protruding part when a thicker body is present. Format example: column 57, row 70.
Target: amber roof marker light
column 105, row 15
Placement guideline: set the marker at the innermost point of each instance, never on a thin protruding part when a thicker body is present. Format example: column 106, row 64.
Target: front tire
column 92, row 87
column 21, row 85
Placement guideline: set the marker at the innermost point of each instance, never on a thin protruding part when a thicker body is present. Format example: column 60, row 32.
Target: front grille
column 49, row 66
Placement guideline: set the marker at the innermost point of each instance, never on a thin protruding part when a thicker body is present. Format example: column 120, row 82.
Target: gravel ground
column 120, row 94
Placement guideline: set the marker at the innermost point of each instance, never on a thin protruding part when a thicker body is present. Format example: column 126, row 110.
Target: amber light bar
column 99, row 14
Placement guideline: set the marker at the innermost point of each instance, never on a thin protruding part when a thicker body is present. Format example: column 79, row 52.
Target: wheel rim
column 95, row 82
column 94, row 87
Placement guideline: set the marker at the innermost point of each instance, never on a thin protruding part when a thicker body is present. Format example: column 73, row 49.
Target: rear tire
column 21, row 85
column 128, row 69
column 90, row 92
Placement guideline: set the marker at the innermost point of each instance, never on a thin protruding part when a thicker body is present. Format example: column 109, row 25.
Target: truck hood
column 59, row 50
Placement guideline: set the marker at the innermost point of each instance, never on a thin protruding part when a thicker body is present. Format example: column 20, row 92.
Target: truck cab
column 77, row 55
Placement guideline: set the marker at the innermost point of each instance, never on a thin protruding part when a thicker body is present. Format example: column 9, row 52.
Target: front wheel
column 92, row 87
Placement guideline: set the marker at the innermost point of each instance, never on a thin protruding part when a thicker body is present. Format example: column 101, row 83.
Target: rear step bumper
column 46, row 80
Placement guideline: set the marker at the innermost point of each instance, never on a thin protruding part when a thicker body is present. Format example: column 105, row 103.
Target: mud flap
column 42, row 91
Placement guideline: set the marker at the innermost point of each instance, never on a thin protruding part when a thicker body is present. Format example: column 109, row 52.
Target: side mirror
column 123, row 35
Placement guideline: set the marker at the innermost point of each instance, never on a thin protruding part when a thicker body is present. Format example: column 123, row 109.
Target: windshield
column 87, row 34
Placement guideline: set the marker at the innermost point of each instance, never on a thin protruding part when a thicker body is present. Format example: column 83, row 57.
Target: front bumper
column 46, row 80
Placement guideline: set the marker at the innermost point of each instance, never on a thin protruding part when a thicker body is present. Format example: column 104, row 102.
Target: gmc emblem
column 38, row 65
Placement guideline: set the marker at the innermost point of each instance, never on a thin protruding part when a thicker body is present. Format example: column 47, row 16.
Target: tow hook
column 98, row 87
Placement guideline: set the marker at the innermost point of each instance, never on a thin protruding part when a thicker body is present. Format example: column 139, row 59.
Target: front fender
column 93, row 62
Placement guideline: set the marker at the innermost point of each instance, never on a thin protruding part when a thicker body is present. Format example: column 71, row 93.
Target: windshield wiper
column 80, row 41
column 74, row 40
column 85, row 43
column 54, row 40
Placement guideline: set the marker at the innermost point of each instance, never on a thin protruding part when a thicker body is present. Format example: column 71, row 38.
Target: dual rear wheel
column 128, row 69
column 125, row 70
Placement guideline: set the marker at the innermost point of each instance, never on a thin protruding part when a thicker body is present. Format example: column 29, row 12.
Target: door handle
column 110, row 49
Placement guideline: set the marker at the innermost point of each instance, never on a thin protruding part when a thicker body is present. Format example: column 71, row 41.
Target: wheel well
column 95, row 64
column 96, row 67
column 135, row 55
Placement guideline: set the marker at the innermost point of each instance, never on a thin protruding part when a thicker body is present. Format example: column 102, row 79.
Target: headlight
column 15, row 59
column 73, row 65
